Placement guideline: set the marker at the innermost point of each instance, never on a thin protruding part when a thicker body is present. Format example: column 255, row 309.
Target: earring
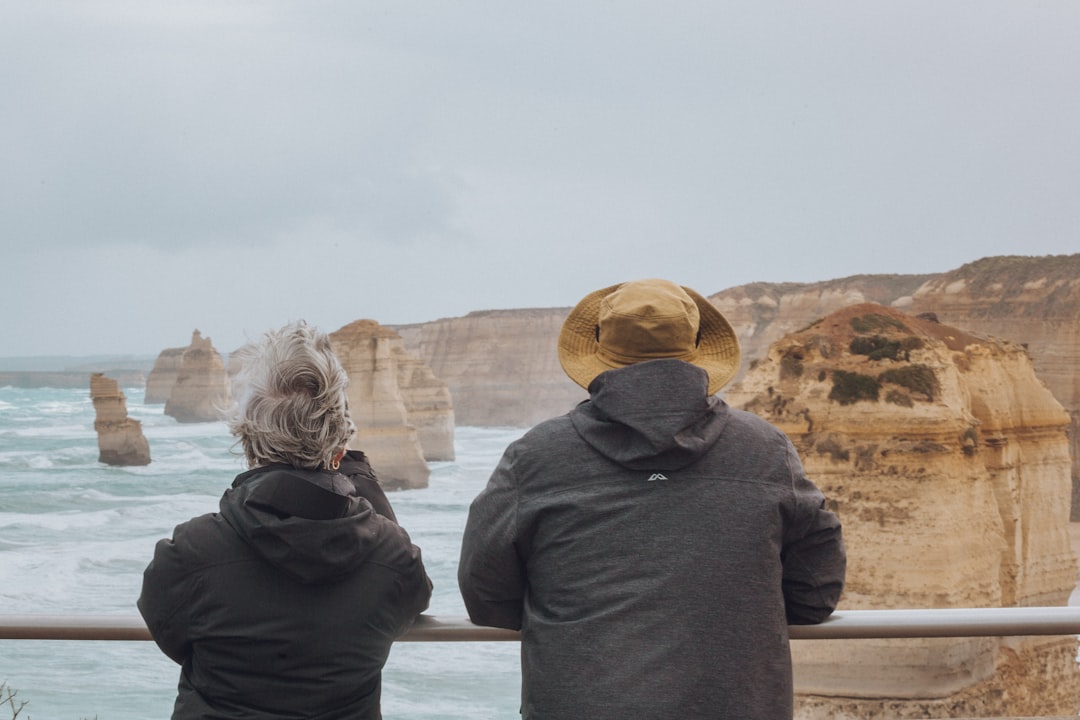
column 335, row 464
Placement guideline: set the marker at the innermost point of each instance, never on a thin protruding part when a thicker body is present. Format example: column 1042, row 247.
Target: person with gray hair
column 285, row 603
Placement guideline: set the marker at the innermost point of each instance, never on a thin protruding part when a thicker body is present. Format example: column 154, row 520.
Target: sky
column 232, row 166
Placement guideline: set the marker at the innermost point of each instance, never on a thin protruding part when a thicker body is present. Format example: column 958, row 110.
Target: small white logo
column 656, row 476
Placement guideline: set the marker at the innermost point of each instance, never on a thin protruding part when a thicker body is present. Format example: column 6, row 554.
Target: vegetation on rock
column 917, row 378
column 876, row 323
column 849, row 387
column 879, row 347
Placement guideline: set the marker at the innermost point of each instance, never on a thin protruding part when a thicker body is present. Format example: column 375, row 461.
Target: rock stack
column 201, row 392
column 502, row 366
column 402, row 412
column 120, row 439
column 162, row 377
column 948, row 463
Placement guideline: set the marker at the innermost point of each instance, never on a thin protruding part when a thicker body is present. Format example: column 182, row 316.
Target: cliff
column 162, row 377
column 947, row 460
column 120, row 438
column 396, row 402
column 1032, row 301
column 201, row 391
column 501, row 366
column 502, row 369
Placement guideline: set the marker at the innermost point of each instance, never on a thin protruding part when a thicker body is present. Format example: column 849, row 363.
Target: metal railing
column 842, row 625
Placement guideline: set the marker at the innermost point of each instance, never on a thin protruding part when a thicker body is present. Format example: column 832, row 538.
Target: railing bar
column 844, row 624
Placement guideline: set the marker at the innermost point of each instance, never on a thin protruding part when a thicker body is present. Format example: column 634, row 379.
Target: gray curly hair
column 291, row 401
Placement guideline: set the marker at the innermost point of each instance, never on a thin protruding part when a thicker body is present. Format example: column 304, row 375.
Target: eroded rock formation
column 502, row 369
column 396, row 403
column 162, row 377
column 501, row 366
column 1032, row 301
column 428, row 406
column 120, row 438
column 947, row 459
column 201, row 391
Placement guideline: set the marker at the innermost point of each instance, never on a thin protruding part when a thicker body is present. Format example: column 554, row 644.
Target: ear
column 340, row 454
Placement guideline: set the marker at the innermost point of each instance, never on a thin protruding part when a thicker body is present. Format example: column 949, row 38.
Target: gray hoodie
column 652, row 546
column 285, row 603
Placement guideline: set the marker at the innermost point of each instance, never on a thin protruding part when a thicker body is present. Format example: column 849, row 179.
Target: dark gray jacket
column 285, row 603
column 652, row 546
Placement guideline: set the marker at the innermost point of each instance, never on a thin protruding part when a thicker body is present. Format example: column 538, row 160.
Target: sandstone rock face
column 501, row 366
column 379, row 372
column 1033, row 301
column 201, row 392
column 947, row 460
column 120, row 438
column 162, row 377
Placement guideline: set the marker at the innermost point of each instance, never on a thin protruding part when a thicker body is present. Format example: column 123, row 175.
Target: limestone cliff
column 120, row 438
column 1033, row 301
column 163, row 375
column 201, row 392
column 428, row 406
column 402, row 412
column 502, row 369
column 501, row 366
column 947, row 460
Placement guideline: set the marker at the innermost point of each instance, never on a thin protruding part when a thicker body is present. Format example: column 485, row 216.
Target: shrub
column 849, row 388
column 7, row 697
column 876, row 323
column 899, row 398
column 916, row 378
column 791, row 366
column 879, row 347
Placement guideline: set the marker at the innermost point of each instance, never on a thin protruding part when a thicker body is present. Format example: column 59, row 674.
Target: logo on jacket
column 656, row 476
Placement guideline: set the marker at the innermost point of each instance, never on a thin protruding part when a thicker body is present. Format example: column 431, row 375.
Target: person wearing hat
column 654, row 544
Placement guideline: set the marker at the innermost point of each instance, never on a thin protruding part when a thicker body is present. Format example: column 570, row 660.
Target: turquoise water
column 75, row 536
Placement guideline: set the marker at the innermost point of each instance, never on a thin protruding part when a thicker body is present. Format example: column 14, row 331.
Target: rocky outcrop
column 162, row 377
column 120, row 438
column 379, row 370
column 1032, row 301
column 501, row 366
column 947, row 460
column 428, row 406
column 502, row 369
column 201, row 392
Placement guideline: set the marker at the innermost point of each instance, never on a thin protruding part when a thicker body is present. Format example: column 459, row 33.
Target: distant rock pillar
column 120, row 439
column 428, row 406
column 202, row 391
column 162, row 377
column 367, row 352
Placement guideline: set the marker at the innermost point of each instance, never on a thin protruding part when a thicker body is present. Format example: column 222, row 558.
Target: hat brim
column 718, row 351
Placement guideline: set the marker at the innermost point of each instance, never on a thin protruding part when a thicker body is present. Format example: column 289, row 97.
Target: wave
column 78, row 534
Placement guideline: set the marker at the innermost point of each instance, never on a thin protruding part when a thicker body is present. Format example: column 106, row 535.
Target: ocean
column 75, row 536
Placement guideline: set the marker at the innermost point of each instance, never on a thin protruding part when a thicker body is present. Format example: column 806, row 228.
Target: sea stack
column 501, row 366
column 947, row 461
column 162, row 377
column 201, row 392
column 120, row 438
column 376, row 361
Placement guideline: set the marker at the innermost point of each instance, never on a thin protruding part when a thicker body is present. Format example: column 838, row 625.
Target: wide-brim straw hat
column 644, row 320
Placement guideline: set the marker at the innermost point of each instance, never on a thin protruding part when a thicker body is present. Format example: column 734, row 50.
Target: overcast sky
column 231, row 166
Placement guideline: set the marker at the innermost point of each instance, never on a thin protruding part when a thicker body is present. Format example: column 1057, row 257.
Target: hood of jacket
column 655, row 415
column 308, row 523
